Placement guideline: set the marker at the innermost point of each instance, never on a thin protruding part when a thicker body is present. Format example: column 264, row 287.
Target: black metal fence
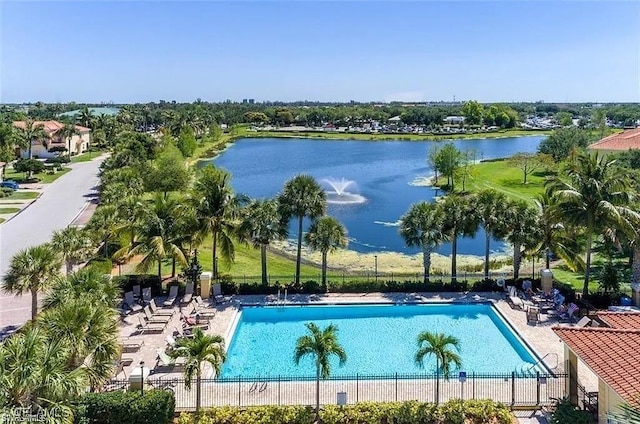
column 513, row 389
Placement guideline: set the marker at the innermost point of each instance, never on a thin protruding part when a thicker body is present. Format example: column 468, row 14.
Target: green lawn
column 45, row 177
column 2, row 220
column 86, row 157
column 502, row 177
column 23, row 195
column 4, row 211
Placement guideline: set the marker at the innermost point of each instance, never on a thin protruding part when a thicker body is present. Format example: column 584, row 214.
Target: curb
column 20, row 211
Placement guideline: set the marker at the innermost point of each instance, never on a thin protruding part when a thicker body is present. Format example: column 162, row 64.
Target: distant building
column 252, row 101
column 620, row 142
column 452, row 120
column 50, row 147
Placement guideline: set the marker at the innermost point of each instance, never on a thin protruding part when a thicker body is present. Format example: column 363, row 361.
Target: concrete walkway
column 60, row 203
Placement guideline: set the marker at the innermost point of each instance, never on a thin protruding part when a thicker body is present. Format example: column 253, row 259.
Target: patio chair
column 180, row 333
column 205, row 313
column 158, row 319
column 146, row 295
column 569, row 314
column 218, row 296
column 584, row 322
column 513, row 298
column 131, row 303
column 533, row 315
column 165, row 360
column 160, row 312
column 137, row 294
column 173, row 295
column 188, row 294
column 201, row 304
column 150, row 327
column 191, row 323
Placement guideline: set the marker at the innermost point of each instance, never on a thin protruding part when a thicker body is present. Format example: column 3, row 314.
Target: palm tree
column 217, row 210
column 422, row 227
column 459, row 220
column 198, row 350
column 89, row 282
column 27, row 135
column 105, row 225
column 261, row 225
column 595, row 196
column 302, row 197
column 67, row 132
column 86, row 118
column 522, row 230
column 326, row 234
column 32, row 270
column 73, row 244
column 321, row 345
column 443, row 348
column 490, row 206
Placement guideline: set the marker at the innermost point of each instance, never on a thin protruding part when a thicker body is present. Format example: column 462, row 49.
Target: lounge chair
column 569, row 314
column 160, row 312
column 165, row 360
column 188, row 294
column 218, row 296
column 158, row 319
column 533, row 315
column 203, row 313
column 150, row 327
column 190, row 323
column 513, row 298
column 136, row 291
column 131, row 303
column 146, row 295
column 584, row 322
column 173, row 295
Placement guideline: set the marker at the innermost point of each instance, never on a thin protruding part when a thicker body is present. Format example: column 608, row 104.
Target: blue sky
column 143, row 51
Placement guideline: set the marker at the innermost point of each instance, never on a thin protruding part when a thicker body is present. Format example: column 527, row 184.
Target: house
column 611, row 353
column 454, row 120
column 49, row 148
column 619, row 142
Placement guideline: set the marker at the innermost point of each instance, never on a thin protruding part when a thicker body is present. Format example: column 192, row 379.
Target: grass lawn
column 45, row 177
column 8, row 210
column 86, row 157
column 23, row 195
column 502, row 177
column 2, row 220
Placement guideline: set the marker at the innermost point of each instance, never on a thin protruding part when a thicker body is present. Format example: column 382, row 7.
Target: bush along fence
column 523, row 389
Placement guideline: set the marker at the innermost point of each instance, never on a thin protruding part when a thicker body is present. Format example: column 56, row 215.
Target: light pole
column 141, row 377
column 375, row 260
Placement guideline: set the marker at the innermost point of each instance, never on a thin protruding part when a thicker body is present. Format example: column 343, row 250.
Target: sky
column 142, row 51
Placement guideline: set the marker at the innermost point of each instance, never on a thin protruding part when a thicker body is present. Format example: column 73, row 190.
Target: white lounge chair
column 158, row 319
column 160, row 312
column 131, row 303
column 515, row 301
column 188, row 294
column 218, row 296
column 173, row 295
column 165, row 360
column 146, row 295
column 150, row 327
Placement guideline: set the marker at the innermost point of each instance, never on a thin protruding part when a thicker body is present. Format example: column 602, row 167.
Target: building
column 454, row 120
column 51, row 147
column 611, row 353
column 619, row 142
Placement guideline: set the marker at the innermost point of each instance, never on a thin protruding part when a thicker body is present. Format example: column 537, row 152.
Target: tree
column 89, row 282
column 564, row 119
column 187, row 141
column 422, row 227
column 168, row 173
column 326, row 234
column 447, row 162
column 302, row 197
column 262, row 224
column 473, row 112
column 490, row 205
column 432, row 160
column 523, row 230
column 320, row 345
column 30, row 133
column 31, row 270
column 28, row 166
column 199, row 350
column 217, row 210
column 443, row 348
column 105, row 226
column 530, row 163
column 599, row 121
column 73, row 244
column 459, row 220
column 86, row 118
column 595, row 196
column 563, row 141
column 67, row 132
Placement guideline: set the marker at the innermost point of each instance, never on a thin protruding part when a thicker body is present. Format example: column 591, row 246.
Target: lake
column 386, row 174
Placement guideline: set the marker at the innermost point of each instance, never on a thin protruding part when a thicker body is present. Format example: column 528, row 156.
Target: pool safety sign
column 462, row 376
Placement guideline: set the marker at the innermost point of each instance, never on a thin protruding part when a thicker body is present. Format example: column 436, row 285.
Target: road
column 56, row 208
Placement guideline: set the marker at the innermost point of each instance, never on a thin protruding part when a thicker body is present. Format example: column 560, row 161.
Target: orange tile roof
column 611, row 353
column 629, row 139
column 628, row 320
column 49, row 126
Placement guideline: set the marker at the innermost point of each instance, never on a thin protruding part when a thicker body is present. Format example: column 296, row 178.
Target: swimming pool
column 378, row 339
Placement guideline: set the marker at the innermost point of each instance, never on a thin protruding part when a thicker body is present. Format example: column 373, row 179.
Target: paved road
column 59, row 204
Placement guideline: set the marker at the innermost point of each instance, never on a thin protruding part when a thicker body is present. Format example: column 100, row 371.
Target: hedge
column 151, row 407
column 412, row 412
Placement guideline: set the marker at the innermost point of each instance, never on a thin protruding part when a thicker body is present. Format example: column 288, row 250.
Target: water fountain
column 337, row 192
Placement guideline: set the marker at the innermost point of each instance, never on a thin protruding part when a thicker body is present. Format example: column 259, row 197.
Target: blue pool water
column 378, row 339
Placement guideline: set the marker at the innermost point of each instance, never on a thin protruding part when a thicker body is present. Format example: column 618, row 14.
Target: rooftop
column 629, row 139
column 49, row 126
column 621, row 320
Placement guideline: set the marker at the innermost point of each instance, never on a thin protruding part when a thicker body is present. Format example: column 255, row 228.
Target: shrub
column 567, row 413
column 152, row 407
column 144, row 280
column 28, row 165
column 103, row 265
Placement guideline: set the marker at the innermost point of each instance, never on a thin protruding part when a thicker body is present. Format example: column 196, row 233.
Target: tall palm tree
column 326, row 234
column 217, row 209
column 67, row 132
column 443, row 348
column 73, row 244
column 105, row 225
column 86, row 118
column 459, row 220
column 523, row 230
column 490, row 205
column 320, row 345
column 302, row 197
column 422, row 227
column 262, row 224
column 595, row 195
column 198, row 350
column 27, row 135
column 31, row 270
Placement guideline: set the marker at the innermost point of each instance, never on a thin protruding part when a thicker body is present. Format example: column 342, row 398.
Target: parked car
column 10, row 184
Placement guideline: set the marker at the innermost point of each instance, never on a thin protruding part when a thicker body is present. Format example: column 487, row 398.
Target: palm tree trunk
column 426, row 262
column 585, row 288
column 635, row 266
column 69, row 266
column 454, row 257
column 516, row 260
column 34, row 303
column 487, row 241
column 198, row 389
column 547, row 255
column 29, row 173
column 324, row 268
column 317, row 392
column 173, row 267
column 299, row 256
column 214, row 235
column 263, row 263
column 160, row 269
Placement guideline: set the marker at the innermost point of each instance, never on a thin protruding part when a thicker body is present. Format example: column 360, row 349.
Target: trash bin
column 546, row 280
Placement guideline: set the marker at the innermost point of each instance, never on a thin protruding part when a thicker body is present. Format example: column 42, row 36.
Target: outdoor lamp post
column 141, row 377
column 375, row 259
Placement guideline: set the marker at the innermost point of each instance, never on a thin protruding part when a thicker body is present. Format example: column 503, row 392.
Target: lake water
column 385, row 173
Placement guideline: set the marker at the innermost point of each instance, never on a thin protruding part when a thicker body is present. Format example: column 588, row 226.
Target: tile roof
column 628, row 320
column 49, row 126
column 629, row 139
column 611, row 353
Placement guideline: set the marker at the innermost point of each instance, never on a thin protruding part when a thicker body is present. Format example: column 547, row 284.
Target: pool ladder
column 541, row 361
column 284, row 301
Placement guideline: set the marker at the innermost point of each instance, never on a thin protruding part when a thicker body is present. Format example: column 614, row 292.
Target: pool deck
column 540, row 338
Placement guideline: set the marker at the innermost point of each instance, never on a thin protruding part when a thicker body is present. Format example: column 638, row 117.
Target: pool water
column 378, row 339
